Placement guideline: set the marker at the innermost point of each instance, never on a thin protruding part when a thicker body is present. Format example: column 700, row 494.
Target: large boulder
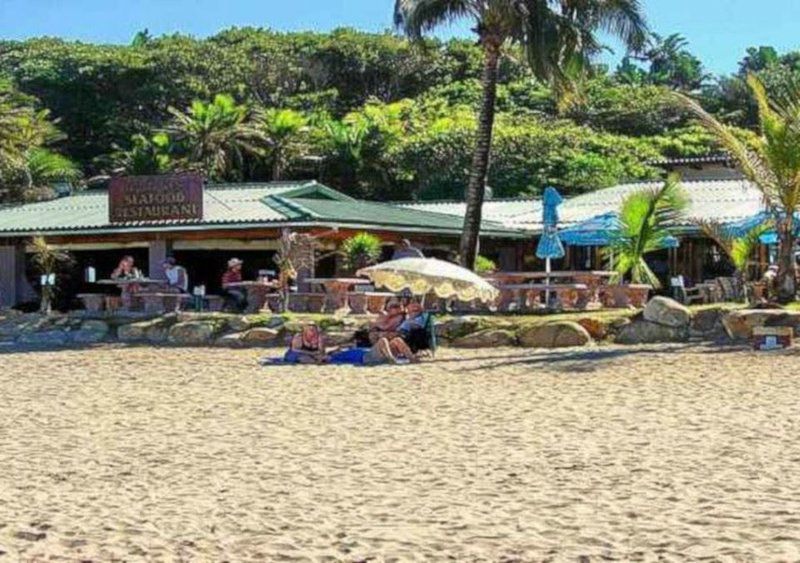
column 646, row 332
column 90, row 331
column 707, row 323
column 153, row 330
column 195, row 333
column 242, row 323
column 44, row 338
column 564, row 334
column 455, row 328
column 667, row 312
column 739, row 324
column 489, row 338
column 598, row 329
column 262, row 336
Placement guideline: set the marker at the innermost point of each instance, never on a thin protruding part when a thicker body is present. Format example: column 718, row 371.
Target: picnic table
column 529, row 295
column 91, row 301
column 258, row 292
column 336, row 291
column 593, row 280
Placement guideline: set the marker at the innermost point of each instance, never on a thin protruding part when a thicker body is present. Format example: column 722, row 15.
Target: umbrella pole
column 547, row 283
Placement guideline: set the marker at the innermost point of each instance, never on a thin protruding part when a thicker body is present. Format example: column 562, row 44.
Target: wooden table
column 124, row 283
column 594, row 280
column 336, row 290
column 257, row 294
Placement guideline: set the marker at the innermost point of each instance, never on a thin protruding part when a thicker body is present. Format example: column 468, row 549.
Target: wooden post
column 12, row 275
column 159, row 249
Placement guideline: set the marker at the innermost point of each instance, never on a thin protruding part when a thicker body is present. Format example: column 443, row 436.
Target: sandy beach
column 656, row 453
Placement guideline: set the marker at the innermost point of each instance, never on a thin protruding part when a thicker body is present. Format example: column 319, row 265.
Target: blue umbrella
column 743, row 226
column 600, row 230
column 550, row 246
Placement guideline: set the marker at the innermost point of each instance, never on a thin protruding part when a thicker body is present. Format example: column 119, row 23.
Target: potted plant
column 361, row 250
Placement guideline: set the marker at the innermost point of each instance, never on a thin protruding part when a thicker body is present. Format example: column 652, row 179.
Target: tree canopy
column 372, row 114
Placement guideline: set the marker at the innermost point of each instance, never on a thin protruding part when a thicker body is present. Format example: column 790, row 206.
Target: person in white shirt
column 177, row 278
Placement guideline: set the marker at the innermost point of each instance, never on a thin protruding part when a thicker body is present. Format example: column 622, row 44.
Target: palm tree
column 345, row 142
column 216, row 136
column 282, row 128
column 558, row 38
column 145, row 156
column 771, row 162
column 644, row 221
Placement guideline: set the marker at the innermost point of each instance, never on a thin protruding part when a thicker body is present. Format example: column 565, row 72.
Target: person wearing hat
column 231, row 276
column 177, row 278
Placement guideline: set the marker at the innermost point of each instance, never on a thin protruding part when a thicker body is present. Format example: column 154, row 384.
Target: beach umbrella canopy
column 601, row 230
column 421, row 276
column 550, row 246
column 743, row 226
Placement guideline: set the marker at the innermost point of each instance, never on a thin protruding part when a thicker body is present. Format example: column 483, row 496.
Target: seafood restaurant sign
column 155, row 198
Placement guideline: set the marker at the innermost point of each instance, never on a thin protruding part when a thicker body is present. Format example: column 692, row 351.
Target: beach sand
column 651, row 453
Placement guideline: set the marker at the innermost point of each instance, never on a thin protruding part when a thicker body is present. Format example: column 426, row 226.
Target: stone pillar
column 158, row 252
column 12, row 275
column 302, row 256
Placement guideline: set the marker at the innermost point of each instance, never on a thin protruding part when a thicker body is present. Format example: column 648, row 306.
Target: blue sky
column 719, row 31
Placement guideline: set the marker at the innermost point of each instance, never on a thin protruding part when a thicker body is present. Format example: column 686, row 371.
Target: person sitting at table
column 233, row 275
column 307, row 347
column 126, row 270
column 177, row 278
column 385, row 326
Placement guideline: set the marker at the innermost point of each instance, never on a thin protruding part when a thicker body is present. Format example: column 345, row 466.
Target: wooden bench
column 526, row 296
column 162, row 302
column 93, row 302
column 305, row 302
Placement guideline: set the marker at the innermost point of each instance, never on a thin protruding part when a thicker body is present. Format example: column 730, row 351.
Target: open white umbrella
column 422, row 276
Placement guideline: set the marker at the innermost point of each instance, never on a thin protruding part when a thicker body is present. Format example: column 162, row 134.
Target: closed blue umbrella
column 550, row 246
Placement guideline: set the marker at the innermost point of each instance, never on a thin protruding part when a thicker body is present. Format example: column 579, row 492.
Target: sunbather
column 412, row 334
column 385, row 326
column 307, row 347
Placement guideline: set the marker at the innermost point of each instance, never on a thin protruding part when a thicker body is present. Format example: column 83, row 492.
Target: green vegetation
column 361, row 250
column 372, row 114
column 771, row 161
column 643, row 228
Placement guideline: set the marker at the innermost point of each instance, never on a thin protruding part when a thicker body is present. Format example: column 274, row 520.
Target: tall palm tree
column 216, row 136
column 558, row 37
column 771, row 163
column 282, row 128
column 644, row 220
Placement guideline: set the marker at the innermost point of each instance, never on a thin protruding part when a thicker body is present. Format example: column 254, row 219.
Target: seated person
column 412, row 333
column 177, row 278
column 231, row 276
column 385, row 326
column 307, row 347
column 126, row 270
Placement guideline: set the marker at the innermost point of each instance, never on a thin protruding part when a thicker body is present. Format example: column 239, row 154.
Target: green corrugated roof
column 274, row 203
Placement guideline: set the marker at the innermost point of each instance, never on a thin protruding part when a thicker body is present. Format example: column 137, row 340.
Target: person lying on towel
column 307, row 347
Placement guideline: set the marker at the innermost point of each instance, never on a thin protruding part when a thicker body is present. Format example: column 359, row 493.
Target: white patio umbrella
column 422, row 276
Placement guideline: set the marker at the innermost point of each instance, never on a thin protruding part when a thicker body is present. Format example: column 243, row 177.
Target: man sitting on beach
column 412, row 333
column 385, row 326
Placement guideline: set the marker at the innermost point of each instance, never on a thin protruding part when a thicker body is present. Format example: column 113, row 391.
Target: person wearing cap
column 177, row 278
column 231, row 276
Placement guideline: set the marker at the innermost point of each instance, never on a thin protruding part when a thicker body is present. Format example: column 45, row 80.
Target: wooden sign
column 772, row 337
column 176, row 197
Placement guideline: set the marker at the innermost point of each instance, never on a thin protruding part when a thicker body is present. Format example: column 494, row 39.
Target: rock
column 44, row 338
column 30, row 536
column 242, row 323
column 489, row 338
column 232, row 340
column 646, row 332
column 739, row 324
column 667, row 312
column 457, row 327
column 598, row 329
column 195, row 333
column 90, row 332
column 261, row 335
column 339, row 337
column 154, row 330
column 563, row 334
column 708, row 322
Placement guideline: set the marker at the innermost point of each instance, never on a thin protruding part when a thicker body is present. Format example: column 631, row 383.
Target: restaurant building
column 203, row 226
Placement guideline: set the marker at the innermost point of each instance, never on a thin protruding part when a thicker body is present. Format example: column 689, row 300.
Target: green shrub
column 361, row 250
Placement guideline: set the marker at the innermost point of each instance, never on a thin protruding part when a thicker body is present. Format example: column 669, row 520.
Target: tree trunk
column 480, row 157
column 787, row 268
